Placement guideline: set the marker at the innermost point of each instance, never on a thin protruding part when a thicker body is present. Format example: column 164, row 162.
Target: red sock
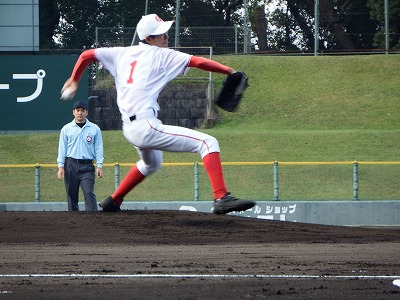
column 212, row 164
column 132, row 179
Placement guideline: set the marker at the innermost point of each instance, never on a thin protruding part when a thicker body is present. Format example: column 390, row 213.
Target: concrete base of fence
column 343, row 213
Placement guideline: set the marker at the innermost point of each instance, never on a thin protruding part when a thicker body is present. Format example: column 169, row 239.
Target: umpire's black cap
column 80, row 103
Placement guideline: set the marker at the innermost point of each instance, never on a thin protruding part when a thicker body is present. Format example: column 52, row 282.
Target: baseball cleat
column 229, row 203
column 109, row 204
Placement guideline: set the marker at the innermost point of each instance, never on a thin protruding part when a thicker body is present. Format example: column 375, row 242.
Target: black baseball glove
column 232, row 91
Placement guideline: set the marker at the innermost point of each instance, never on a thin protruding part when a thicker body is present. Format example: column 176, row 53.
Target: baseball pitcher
column 140, row 73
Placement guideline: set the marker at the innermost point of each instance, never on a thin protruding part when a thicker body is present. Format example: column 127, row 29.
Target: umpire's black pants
column 75, row 175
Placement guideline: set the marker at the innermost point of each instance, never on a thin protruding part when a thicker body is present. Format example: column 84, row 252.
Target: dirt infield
column 190, row 255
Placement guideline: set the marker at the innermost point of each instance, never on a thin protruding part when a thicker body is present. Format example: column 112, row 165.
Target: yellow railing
column 195, row 165
column 233, row 163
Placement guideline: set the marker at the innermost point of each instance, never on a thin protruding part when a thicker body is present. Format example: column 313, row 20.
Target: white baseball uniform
column 141, row 72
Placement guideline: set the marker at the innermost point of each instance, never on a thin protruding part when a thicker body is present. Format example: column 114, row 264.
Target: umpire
column 80, row 143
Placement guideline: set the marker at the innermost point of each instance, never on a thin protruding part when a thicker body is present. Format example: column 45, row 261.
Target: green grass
column 326, row 108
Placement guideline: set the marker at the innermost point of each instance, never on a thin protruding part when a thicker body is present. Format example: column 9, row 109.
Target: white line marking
column 396, row 282
column 203, row 276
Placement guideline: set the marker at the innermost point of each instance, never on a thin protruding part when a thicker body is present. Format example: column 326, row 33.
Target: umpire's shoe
column 230, row 203
column 109, row 204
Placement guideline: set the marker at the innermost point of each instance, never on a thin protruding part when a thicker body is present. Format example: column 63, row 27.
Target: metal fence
column 353, row 29
column 223, row 40
column 369, row 36
column 231, row 40
column 189, row 181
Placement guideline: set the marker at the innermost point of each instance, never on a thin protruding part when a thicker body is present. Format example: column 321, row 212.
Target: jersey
column 140, row 73
column 80, row 143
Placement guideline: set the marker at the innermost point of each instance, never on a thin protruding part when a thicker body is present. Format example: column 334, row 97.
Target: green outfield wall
column 30, row 91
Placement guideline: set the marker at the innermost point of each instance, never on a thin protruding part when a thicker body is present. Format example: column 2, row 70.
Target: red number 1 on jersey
column 133, row 64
